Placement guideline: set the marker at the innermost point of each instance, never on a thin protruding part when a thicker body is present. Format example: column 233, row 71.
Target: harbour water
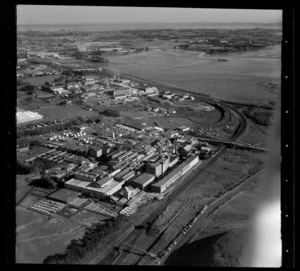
column 239, row 78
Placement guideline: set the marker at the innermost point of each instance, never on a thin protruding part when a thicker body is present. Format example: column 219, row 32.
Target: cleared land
column 222, row 240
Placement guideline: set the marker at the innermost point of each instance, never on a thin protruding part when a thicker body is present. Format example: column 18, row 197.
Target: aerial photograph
column 144, row 136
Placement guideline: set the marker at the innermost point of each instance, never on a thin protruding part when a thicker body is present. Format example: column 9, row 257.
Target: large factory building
column 102, row 189
column 142, row 181
column 172, row 177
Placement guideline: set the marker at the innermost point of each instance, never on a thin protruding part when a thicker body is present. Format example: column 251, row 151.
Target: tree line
column 79, row 248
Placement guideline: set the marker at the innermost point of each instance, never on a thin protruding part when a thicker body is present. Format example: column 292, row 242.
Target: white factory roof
column 105, row 188
column 77, row 183
column 27, row 116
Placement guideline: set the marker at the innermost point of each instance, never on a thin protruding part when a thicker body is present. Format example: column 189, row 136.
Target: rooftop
column 64, row 195
column 144, row 178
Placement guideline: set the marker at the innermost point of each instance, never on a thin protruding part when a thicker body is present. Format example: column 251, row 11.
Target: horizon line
column 236, row 22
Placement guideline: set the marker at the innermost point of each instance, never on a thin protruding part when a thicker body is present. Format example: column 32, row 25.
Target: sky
column 46, row 14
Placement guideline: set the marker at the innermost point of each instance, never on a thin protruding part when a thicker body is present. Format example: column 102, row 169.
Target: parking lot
column 47, row 207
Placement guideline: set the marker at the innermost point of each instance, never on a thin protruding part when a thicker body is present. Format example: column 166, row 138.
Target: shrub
column 111, row 113
column 44, row 182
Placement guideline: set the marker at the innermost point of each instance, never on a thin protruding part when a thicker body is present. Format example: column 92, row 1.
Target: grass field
column 37, row 237
column 22, row 187
column 55, row 112
column 86, row 218
column 30, row 103
column 39, row 81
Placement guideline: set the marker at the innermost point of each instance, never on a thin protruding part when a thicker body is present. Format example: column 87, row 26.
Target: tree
column 27, row 88
column 55, row 259
column 44, row 182
column 111, row 113
column 24, row 168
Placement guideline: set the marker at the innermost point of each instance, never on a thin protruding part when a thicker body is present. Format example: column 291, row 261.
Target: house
column 90, row 80
column 206, row 149
column 59, row 90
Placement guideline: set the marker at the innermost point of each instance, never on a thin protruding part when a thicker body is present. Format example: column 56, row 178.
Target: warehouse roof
column 97, row 148
column 77, row 183
column 128, row 175
column 135, row 125
column 191, row 158
column 144, row 178
column 123, row 172
column 64, row 195
column 173, row 157
column 166, row 179
column 104, row 189
column 105, row 181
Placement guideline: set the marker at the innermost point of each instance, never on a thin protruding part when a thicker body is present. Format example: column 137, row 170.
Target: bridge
column 134, row 249
column 231, row 144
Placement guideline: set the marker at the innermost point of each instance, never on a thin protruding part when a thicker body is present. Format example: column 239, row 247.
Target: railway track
column 207, row 215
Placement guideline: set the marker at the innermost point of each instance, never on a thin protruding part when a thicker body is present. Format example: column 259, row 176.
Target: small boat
column 222, row 59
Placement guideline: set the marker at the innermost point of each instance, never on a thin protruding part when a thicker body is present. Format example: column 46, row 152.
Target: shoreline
column 200, row 95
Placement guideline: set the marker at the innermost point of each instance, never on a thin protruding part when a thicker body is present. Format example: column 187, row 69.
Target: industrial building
column 173, row 160
column 96, row 151
column 128, row 176
column 205, row 149
column 122, row 173
column 142, row 181
column 154, row 158
column 134, row 125
column 172, row 177
column 165, row 163
column 136, row 197
column 108, row 190
column 26, row 116
column 86, row 176
column 76, row 185
column 155, row 169
column 105, row 181
column 192, row 160
column 128, row 192
column 92, row 190
column 90, row 80
column 115, row 153
column 119, row 96
column 64, row 195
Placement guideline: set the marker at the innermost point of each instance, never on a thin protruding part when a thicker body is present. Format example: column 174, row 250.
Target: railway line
column 205, row 217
